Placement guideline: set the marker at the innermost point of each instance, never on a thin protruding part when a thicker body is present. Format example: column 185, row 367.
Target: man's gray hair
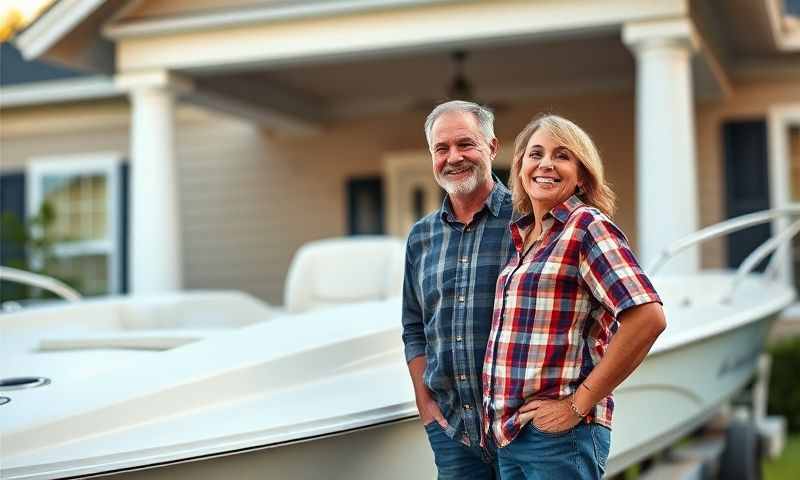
column 483, row 115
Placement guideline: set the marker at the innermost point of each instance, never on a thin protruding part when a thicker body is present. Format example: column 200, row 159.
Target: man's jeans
column 456, row 461
column 580, row 453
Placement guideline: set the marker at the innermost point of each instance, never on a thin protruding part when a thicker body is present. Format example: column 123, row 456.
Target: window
column 83, row 194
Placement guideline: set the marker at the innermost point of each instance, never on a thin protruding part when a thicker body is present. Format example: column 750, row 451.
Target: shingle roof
column 15, row 70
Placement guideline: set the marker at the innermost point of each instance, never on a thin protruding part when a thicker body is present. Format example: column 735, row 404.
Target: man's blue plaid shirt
column 448, row 298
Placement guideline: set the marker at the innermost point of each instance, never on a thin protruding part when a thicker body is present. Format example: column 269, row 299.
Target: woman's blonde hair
column 594, row 191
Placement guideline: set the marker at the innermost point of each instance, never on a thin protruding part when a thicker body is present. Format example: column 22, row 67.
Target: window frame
column 105, row 163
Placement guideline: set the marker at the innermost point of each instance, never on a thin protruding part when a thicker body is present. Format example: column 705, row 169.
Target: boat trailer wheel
column 741, row 459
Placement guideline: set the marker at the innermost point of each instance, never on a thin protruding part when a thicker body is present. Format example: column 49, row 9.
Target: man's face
column 462, row 157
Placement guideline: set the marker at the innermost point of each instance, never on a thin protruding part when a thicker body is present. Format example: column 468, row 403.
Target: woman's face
column 550, row 172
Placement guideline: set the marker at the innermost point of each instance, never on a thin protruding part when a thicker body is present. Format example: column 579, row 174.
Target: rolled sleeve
column 610, row 270
column 413, row 327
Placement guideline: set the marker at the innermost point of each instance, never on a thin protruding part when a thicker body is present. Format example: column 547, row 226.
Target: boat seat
column 338, row 271
column 192, row 310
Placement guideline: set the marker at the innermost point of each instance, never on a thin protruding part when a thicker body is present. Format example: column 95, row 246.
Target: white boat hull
column 327, row 395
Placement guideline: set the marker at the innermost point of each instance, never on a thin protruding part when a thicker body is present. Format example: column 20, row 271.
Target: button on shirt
column 556, row 308
column 448, row 296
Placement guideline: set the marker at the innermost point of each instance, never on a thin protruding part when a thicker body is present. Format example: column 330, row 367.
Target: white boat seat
column 194, row 309
column 337, row 271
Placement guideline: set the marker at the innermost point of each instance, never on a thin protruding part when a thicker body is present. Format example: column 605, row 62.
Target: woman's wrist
column 575, row 410
column 582, row 401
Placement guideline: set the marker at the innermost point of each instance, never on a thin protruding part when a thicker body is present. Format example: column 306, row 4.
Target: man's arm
column 415, row 343
column 426, row 404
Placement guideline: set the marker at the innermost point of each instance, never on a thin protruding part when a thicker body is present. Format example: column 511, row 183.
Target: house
column 227, row 133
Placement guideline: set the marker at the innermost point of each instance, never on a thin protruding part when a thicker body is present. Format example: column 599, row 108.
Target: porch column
column 666, row 176
column 154, row 258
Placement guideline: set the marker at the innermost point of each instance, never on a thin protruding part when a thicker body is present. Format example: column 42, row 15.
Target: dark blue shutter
column 12, row 247
column 365, row 206
column 792, row 7
column 124, row 215
column 12, row 205
column 746, row 183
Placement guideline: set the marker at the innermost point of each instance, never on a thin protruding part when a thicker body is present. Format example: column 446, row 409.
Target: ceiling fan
column 459, row 87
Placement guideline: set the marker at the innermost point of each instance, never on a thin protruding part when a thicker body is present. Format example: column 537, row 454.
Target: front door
column 411, row 191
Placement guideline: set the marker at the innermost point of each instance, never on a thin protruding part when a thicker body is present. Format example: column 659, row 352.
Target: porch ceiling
column 750, row 37
column 401, row 82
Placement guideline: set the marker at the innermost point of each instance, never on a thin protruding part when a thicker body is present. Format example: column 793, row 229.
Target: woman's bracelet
column 575, row 408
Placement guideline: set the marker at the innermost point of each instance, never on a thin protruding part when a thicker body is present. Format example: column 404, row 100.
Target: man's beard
column 461, row 187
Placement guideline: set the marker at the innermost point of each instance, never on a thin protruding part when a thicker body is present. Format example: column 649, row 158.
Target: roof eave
column 786, row 40
column 55, row 23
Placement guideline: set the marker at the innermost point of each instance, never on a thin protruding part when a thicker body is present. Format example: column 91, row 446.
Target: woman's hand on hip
column 550, row 416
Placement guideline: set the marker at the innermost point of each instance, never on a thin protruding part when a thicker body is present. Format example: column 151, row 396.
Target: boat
column 220, row 385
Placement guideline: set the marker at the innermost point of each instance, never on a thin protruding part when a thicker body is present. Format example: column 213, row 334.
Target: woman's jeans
column 456, row 461
column 580, row 453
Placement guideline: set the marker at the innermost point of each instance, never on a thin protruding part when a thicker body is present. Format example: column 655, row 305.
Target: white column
column 666, row 176
column 155, row 234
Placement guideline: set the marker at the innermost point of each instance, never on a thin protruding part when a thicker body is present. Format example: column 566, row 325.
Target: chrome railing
column 40, row 281
column 734, row 225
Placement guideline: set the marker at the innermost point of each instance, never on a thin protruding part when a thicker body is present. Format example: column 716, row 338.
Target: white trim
column 779, row 119
column 661, row 31
column 58, row 91
column 107, row 163
column 437, row 26
column 157, row 78
column 244, row 16
column 61, row 18
column 787, row 41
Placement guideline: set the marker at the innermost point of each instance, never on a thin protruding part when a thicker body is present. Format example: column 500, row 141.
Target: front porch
column 329, row 94
column 317, row 74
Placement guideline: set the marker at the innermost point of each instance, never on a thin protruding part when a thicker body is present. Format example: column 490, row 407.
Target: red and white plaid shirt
column 555, row 310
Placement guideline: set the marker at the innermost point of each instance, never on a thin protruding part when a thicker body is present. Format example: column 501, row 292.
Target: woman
column 574, row 314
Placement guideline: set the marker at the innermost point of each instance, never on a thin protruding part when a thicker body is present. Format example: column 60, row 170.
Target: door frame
column 397, row 166
column 780, row 118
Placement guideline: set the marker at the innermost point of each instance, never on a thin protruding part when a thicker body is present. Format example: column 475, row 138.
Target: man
column 453, row 257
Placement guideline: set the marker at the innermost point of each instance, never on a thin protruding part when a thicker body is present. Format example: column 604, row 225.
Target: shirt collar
column 560, row 212
column 563, row 211
column 494, row 202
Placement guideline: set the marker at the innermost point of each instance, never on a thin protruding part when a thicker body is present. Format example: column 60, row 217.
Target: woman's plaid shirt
column 555, row 310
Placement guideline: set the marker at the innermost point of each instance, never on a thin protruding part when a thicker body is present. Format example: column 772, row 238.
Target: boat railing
column 734, row 225
column 40, row 281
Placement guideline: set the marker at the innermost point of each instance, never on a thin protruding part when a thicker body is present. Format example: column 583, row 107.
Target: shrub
column 784, row 382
